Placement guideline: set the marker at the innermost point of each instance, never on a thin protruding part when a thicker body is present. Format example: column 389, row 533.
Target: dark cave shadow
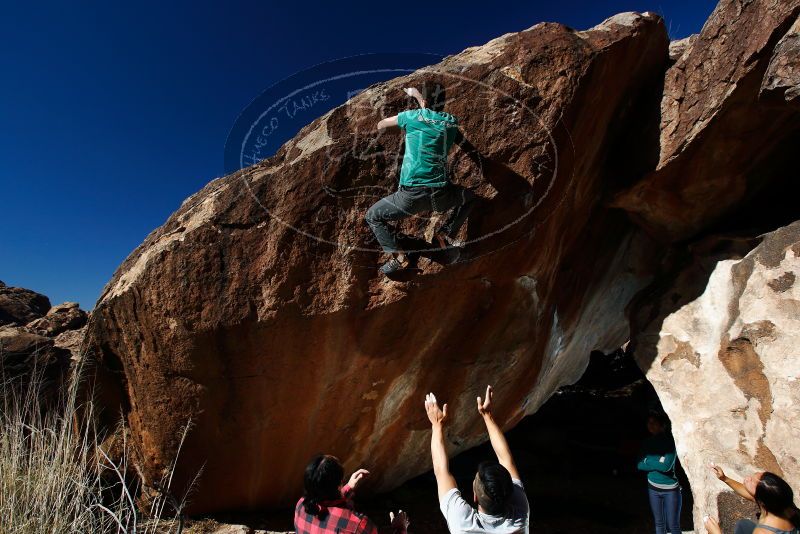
column 587, row 420
column 687, row 266
column 590, row 419
column 508, row 214
column 682, row 279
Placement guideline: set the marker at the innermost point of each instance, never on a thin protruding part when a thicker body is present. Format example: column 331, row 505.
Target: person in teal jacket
column 658, row 459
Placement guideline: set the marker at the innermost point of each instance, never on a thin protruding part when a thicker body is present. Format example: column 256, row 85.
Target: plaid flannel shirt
column 340, row 519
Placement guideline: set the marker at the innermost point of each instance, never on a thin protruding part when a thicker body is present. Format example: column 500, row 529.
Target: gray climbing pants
column 410, row 200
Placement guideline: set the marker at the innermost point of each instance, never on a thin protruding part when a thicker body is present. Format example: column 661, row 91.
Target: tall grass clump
column 55, row 475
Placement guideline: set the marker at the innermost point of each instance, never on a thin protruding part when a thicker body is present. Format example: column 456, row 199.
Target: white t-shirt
column 462, row 518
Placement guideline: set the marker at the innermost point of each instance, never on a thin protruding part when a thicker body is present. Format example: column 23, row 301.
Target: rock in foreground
column 724, row 361
column 37, row 341
column 19, row 306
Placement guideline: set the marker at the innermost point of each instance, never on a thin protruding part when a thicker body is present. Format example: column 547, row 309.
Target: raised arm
column 735, row 485
column 391, row 122
column 499, row 443
column 444, row 479
column 414, row 93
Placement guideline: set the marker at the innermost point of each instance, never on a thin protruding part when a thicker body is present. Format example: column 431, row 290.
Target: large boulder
column 718, row 339
column 727, row 166
column 781, row 82
column 256, row 312
column 722, row 140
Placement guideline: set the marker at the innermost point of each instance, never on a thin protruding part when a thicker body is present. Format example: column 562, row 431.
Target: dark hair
column 323, row 477
column 494, row 487
column 434, row 94
column 659, row 416
column 776, row 496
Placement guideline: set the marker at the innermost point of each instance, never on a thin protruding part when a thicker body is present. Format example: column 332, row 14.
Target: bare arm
column 391, row 122
column 735, row 485
column 444, row 479
column 388, row 122
column 498, row 440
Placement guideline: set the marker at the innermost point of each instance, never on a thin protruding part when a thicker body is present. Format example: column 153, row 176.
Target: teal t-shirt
column 429, row 136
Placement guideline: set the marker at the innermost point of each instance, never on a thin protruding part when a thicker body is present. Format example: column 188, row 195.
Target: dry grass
column 55, row 476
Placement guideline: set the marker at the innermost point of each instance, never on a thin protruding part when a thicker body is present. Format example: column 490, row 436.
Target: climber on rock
column 502, row 506
column 424, row 182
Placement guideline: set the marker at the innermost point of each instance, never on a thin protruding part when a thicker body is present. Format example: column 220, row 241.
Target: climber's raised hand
column 436, row 415
column 412, row 92
column 415, row 94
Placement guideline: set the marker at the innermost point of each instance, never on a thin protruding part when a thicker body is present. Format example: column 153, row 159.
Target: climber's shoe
column 412, row 258
column 445, row 240
column 452, row 255
column 393, row 266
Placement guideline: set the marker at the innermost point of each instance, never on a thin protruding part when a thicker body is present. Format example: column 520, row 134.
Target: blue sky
column 113, row 113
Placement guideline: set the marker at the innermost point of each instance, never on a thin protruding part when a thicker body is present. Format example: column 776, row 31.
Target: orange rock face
column 718, row 340
column 256, row 312
column 260, row 317
column 715, row 332
column 722, row 135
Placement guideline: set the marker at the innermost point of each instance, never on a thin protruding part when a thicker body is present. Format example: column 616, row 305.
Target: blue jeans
column 666, row 506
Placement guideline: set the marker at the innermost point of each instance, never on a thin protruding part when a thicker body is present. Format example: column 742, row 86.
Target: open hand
column 718, row 472
column 357, row 477
column 435, row 415
column 485, row 406
column 400, row 521
column 712, row 525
